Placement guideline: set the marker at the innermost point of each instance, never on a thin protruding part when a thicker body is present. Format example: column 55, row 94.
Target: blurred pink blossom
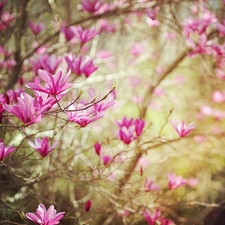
column 200, row 138
column 152, row 13
column 151, row 218
column 81, row 65
column 182, row 128
column 218, row 96
column 150, row 185
column 91, row 6
column 4, row 151
column 36, row 28
column 69, row 32
column 82, row 116
column 130, row 129
column 137, row 49
column 44, row 217
column 175, row 181
column 85, row 35
column 105, row 26
column 106, row 159
column 42, row 146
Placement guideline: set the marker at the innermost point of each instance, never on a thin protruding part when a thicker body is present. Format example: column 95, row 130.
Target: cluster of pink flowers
column 27, row 109
column 197, row 27
column 130, row 129
column 6, row 61
column 84, row 113
column 82, row 35
column 98, row 150
column 81, row 65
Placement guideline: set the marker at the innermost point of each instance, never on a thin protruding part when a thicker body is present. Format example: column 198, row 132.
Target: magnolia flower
column 36, row 28
column 151, row 219
column 151, row 186
column 50, row 62
column 106, row 159
column 85, row 35
column 130, row 129
column 42, row 146
column 4, row 151
column 81, row 65
column 44, row 217
column 175, row 181
column 91, row 6
column 182, row 128
column 69, row 32
column 54, row 84
column 83, row 116
column 26, row 109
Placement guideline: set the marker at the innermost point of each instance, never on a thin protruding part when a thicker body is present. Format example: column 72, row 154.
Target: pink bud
column 97, row 147
column 87, row 206
column 106, row 159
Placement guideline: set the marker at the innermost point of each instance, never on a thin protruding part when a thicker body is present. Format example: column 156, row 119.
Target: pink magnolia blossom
column 137, row 49
column 182, row 128
column 87, row 205
column 106, row 159
column 218, row 96
column 130, row 129
column 107, row 27
column 54, row 84
column 4, row 151
column 151, row 219
column 202, row 46
column 42, row 146
column 150, row 185
column 26, row 109
column 175, row 181
column 36, row 28
column 45, row 217
column 164, row 221
column 91, row 6
column 81, row 65
column 152, row 13
column 69, row 32
column 6, row 20
column 50, row 62
column 192, row 182
column 85, row 35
